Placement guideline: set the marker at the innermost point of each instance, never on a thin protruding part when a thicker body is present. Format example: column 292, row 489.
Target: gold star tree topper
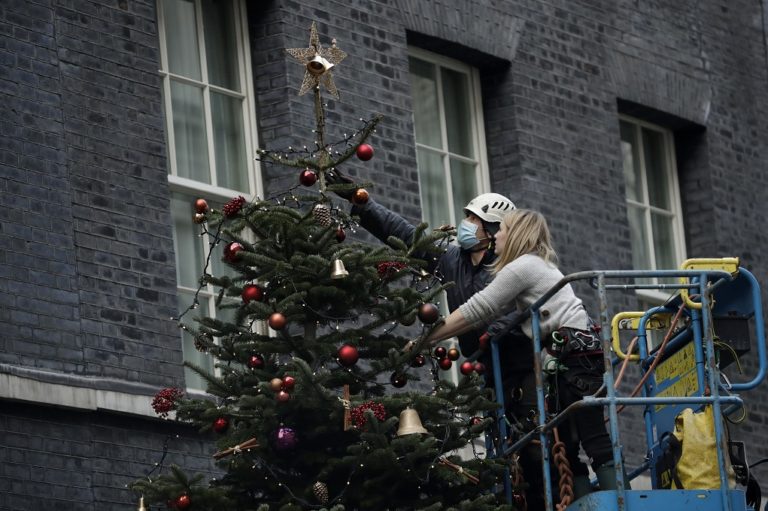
column 318, row 62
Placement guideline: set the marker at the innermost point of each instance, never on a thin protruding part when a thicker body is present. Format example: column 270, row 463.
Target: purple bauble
column 285, row 439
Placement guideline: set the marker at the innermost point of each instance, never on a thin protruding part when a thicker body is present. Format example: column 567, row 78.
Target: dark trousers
column 522, row 411
column 586, row 427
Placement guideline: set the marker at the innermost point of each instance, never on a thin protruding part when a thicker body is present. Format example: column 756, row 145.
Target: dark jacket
column 453, row 265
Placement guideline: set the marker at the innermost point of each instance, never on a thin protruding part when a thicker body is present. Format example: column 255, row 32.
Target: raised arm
column 383, row 223
column 454, row 325
column 484, row 306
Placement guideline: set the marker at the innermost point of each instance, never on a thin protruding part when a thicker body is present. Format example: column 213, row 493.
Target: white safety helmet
column 490, row 207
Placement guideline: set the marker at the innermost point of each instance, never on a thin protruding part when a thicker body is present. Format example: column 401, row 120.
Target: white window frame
column 249, row 111
column 211, row 191
column 482, row 175
column 673, row 187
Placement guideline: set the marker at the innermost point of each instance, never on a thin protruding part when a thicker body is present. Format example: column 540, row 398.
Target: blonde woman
column 524, row 271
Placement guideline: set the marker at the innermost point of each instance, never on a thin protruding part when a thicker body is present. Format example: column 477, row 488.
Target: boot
column 606, row 476
column 581, row 486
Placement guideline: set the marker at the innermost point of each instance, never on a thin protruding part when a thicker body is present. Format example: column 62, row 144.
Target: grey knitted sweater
column 522, row 282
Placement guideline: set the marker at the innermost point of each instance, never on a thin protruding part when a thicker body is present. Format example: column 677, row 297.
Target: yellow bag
column 697, row 467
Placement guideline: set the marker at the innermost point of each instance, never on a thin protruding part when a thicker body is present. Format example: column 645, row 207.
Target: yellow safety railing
column 729, row 264
column 631, row 321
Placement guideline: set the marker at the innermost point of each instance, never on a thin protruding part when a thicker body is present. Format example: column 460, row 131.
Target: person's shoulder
column 535, row 259
column 528, row 260
column 528, row 265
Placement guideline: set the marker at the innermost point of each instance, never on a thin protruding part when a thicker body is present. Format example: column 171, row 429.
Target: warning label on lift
column 676, row 376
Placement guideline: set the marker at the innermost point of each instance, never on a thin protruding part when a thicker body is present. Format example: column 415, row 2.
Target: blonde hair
column 527, row 232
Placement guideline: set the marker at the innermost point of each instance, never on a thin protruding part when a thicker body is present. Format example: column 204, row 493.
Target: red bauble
column 479, row 367
column 364, row 152
column 201, row 206
column 252, row 292
column 467, row 368
column 484, row 341
column 276, row 384
column 340, row 235
column 348, row 355
column 255, row 361
column 182, row 502
column 283, row 396
column 360, row 196
column 307, row 177
column 277, row 321
column 474, row 421
column 428, row 313
column 220, row 425
column 398, row 380
column 288, row 382
column 445, row 363
column 440, row 352
column 453, row 354
column 419, row 360
column 231, row 250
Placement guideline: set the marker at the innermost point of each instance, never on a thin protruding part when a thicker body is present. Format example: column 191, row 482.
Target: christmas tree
column 315, row 412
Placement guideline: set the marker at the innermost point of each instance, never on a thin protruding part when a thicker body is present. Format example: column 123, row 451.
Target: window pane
column 181, row 38
column 640, row 240
column 220, row 47
column 663, row 241
column 187, row 242
column 464, row 187
column 189, row 132
column 426, row 115
column 629, row 156
column 655, row 168
column 457, row 112
column 191, row 354
column 229, row 142
column 433, row 189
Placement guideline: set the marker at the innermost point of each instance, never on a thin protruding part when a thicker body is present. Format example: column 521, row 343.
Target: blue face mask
column 467, row 235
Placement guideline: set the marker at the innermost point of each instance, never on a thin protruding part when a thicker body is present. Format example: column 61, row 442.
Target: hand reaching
column 334, row 177
column 409, row 345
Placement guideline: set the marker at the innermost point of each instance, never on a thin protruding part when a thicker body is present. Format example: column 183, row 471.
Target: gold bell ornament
column 318, row 65
column 410, row 423
column 141, row 505
column 338, row 271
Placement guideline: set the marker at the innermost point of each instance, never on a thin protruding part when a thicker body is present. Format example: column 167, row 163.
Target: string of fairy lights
column 307, row 157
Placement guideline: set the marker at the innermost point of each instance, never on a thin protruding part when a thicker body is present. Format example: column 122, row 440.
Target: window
column 210, row 130
column 450, row 141
column 653, row 199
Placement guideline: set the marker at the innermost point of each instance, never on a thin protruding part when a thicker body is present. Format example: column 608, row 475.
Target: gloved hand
column 334, row 177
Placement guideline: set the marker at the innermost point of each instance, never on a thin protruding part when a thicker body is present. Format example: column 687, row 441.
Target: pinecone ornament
column 322, row 214
column 321, row 492
column 232, row 207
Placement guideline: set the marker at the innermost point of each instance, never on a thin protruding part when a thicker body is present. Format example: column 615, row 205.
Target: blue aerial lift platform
column 709, row 324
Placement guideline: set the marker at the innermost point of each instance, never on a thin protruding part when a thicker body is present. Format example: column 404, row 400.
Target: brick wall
column 79, row 461
column 89, row 282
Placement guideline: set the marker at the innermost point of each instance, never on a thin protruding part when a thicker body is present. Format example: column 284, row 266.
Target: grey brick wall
column 87, row 277
column 89, row 281
column 78, row 461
